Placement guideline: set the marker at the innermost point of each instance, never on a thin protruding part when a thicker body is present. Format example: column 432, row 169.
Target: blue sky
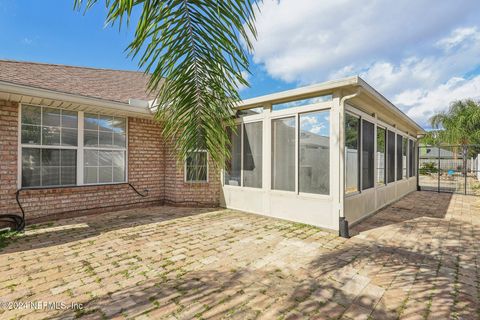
column 421, row 54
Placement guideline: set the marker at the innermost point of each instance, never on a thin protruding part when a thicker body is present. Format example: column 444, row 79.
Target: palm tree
column 195, row 52
column 459, row 125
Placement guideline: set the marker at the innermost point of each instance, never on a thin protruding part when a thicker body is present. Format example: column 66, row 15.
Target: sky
column 420, row 54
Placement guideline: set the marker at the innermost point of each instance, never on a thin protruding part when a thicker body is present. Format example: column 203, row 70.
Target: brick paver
column 416, row 259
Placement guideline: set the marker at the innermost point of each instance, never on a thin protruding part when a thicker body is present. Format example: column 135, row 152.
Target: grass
column 7, row 237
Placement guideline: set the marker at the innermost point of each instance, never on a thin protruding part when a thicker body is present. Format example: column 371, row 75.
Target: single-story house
column 72, row 139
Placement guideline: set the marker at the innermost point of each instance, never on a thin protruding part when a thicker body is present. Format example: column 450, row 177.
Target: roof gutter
column 55, row 95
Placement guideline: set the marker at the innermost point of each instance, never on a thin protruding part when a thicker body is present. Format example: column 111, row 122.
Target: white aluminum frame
column 79, row 148
column 266, row 117
column 377, row 122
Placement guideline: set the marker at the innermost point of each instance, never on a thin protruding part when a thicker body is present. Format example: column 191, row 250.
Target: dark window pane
column 50, row 176
column 90, row 121
column 50, row 157
column 404, row 157
column 105, row 174
column 69, row 137
column 118, row 174
column 368, row 147
column 68, row 158
column 105, row 139
column 31, row 115
column 352, row 160
column 381, row 155
column 252, row 154
column 69, row 119
column 51, row 117
column 399, row 157
column 391, row 156
column 30, row 134
column 283, row 154
column 233, row 165
column 196, row 166
column 50, row 136
column 90, row 175
column 314, row 153
column 30, row 167
column 412, row 158
column 90, row 138
column 69, row 175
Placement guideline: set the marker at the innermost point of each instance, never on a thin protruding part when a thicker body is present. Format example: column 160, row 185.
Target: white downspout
column 342, row 160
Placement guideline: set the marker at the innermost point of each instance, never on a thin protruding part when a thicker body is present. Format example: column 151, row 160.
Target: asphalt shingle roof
column 106, row 84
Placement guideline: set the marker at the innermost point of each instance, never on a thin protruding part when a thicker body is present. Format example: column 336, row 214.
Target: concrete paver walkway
column 416, row 259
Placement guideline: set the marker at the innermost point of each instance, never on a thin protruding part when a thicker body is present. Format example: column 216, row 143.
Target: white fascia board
column 299, row 92
column 378, row 96
column 55, row 95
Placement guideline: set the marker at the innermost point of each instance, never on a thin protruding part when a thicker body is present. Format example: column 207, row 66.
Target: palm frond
column 195, row 51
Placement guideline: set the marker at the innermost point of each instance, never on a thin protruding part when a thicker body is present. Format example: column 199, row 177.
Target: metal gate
column 453, row 169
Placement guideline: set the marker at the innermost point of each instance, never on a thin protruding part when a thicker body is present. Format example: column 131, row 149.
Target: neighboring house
column 73, row 138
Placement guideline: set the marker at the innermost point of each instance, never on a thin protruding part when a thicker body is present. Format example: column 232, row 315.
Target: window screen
column 352, row 160
column 314, row 152
column 233, row 166
column 399, row 157
column 404, row 157
column 381, row 155
column 283, row 154
column 252, row 154
column 368, row 147
column 391, row 156
column 411, row 158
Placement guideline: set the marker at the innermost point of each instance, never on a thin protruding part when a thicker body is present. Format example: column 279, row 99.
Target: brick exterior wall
column 149, row 167
column 177, row 191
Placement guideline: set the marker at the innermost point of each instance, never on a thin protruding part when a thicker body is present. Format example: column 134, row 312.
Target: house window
column 399, row 157
column 104, row 149
column 404, row 157
column 48, row 146
column 196, row 166
column 252, row 154
column 368, row 159
column 391, row 156
column 381, row 155
column 283, row 154
column 352, row 160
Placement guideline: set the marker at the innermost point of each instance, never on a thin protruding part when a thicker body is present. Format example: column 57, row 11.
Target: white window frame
column 185, row 169
column 79, row 148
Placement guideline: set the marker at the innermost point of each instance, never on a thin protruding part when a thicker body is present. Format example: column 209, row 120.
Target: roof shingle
column 106, row 84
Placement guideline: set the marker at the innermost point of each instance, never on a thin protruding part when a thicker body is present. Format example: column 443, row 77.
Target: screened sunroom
column 332, row 152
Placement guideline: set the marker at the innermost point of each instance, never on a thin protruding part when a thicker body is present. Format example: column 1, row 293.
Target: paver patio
column 416, row 259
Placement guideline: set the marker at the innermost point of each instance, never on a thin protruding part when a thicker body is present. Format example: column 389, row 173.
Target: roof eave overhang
column 18, row 89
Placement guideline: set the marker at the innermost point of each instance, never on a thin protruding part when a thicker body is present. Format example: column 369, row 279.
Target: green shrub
column 428, row 167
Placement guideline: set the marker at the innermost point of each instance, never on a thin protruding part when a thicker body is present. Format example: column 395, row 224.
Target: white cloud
column 407, row 49
column 246, row 76
column 422, row 105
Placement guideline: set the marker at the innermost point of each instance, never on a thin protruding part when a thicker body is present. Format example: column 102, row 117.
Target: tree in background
column 195, row 52
column 459, row 125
